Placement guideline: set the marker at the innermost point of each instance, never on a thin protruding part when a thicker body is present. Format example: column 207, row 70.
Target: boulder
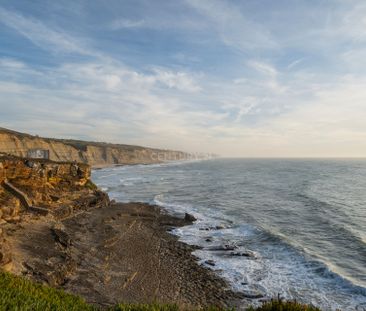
column 61, row 235
column 248, row 254
column 252, row 294
column 223, row 248
column 210, row 262
column 189, row 217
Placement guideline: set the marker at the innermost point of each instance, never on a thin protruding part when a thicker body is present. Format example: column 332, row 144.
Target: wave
column 260, row 273
column 280, row 262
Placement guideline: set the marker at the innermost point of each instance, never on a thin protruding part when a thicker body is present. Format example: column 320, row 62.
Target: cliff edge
column 92, row 153
column 57, row 228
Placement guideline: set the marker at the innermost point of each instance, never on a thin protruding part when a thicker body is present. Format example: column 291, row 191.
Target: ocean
column 293, row 228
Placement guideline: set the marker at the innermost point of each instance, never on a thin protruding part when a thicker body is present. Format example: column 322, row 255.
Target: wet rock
column 220, row 227
column 208, row 240
column 223, row 248
column 247, row 254
column 189, row 217
column 252, row 294
column 210, row 262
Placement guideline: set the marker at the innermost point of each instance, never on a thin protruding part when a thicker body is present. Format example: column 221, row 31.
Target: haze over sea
column 301, row 223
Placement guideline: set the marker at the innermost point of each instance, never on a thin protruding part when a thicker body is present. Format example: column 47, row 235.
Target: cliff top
column 78, row 144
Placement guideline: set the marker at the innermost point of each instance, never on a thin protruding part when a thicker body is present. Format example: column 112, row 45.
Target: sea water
column 300, row 224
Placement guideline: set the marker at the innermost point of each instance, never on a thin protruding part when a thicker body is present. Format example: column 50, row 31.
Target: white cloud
column 263, row 68
column 40, row 34
column 11, row 63
column 234, row 29
column 178, row 80
column 267, row 106
column 126, row 23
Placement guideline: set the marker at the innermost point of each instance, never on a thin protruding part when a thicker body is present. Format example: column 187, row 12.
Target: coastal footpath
column 96, row 154
column 59, row 229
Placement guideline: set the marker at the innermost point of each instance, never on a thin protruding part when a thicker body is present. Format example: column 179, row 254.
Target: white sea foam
column 280, row 263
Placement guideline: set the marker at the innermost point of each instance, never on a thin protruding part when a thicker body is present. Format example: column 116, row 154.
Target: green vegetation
column 280, row 305
column 90, row 185
column 145, row 307
column 20, row 294
column 17, row 293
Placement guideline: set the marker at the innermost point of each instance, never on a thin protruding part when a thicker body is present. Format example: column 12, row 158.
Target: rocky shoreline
column 121, row 253
column 104, row 251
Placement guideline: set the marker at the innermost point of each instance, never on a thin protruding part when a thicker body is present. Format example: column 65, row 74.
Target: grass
column 145, row 307
column 17, row 293
column 281, row 305
column 20, row 294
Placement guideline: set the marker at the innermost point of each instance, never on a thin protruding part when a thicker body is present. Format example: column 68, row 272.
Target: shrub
column 281, row 305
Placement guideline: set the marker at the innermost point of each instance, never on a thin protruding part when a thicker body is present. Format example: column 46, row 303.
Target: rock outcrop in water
column 92, row 153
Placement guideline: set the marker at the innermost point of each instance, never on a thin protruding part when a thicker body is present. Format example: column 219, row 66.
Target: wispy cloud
column 234, row 78
column 40, row 34
column 126, row 23
column 234, row 29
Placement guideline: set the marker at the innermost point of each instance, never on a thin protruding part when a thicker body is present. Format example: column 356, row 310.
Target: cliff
column 57, row 228
column 92, row 153
column 39, row 188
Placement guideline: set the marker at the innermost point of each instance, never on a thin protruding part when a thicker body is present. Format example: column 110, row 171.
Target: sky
column 244, row 78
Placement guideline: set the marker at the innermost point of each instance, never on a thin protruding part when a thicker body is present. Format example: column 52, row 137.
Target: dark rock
column 220, row 227
column 248, row 254
column 189, row 217
column 28, row 163
column 54, row 198
column 253, row 294
column 210, row 262
column 208, row 240
column 5, row 254
column 39, row 210
column 223, row 248
column 61, row 236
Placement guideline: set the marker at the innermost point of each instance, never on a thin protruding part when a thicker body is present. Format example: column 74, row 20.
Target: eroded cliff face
column 92, row 153
column 42, row 188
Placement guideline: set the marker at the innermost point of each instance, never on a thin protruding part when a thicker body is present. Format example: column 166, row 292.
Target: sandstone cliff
column 92, row 153
column 41, row 187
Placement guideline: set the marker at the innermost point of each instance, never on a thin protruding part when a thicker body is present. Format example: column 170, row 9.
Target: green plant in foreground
column 20, row 294
column 17, row 293
column 280, row 305
column 145, row 307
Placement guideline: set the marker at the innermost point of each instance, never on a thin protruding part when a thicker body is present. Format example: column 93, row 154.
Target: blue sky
column 238, row 78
